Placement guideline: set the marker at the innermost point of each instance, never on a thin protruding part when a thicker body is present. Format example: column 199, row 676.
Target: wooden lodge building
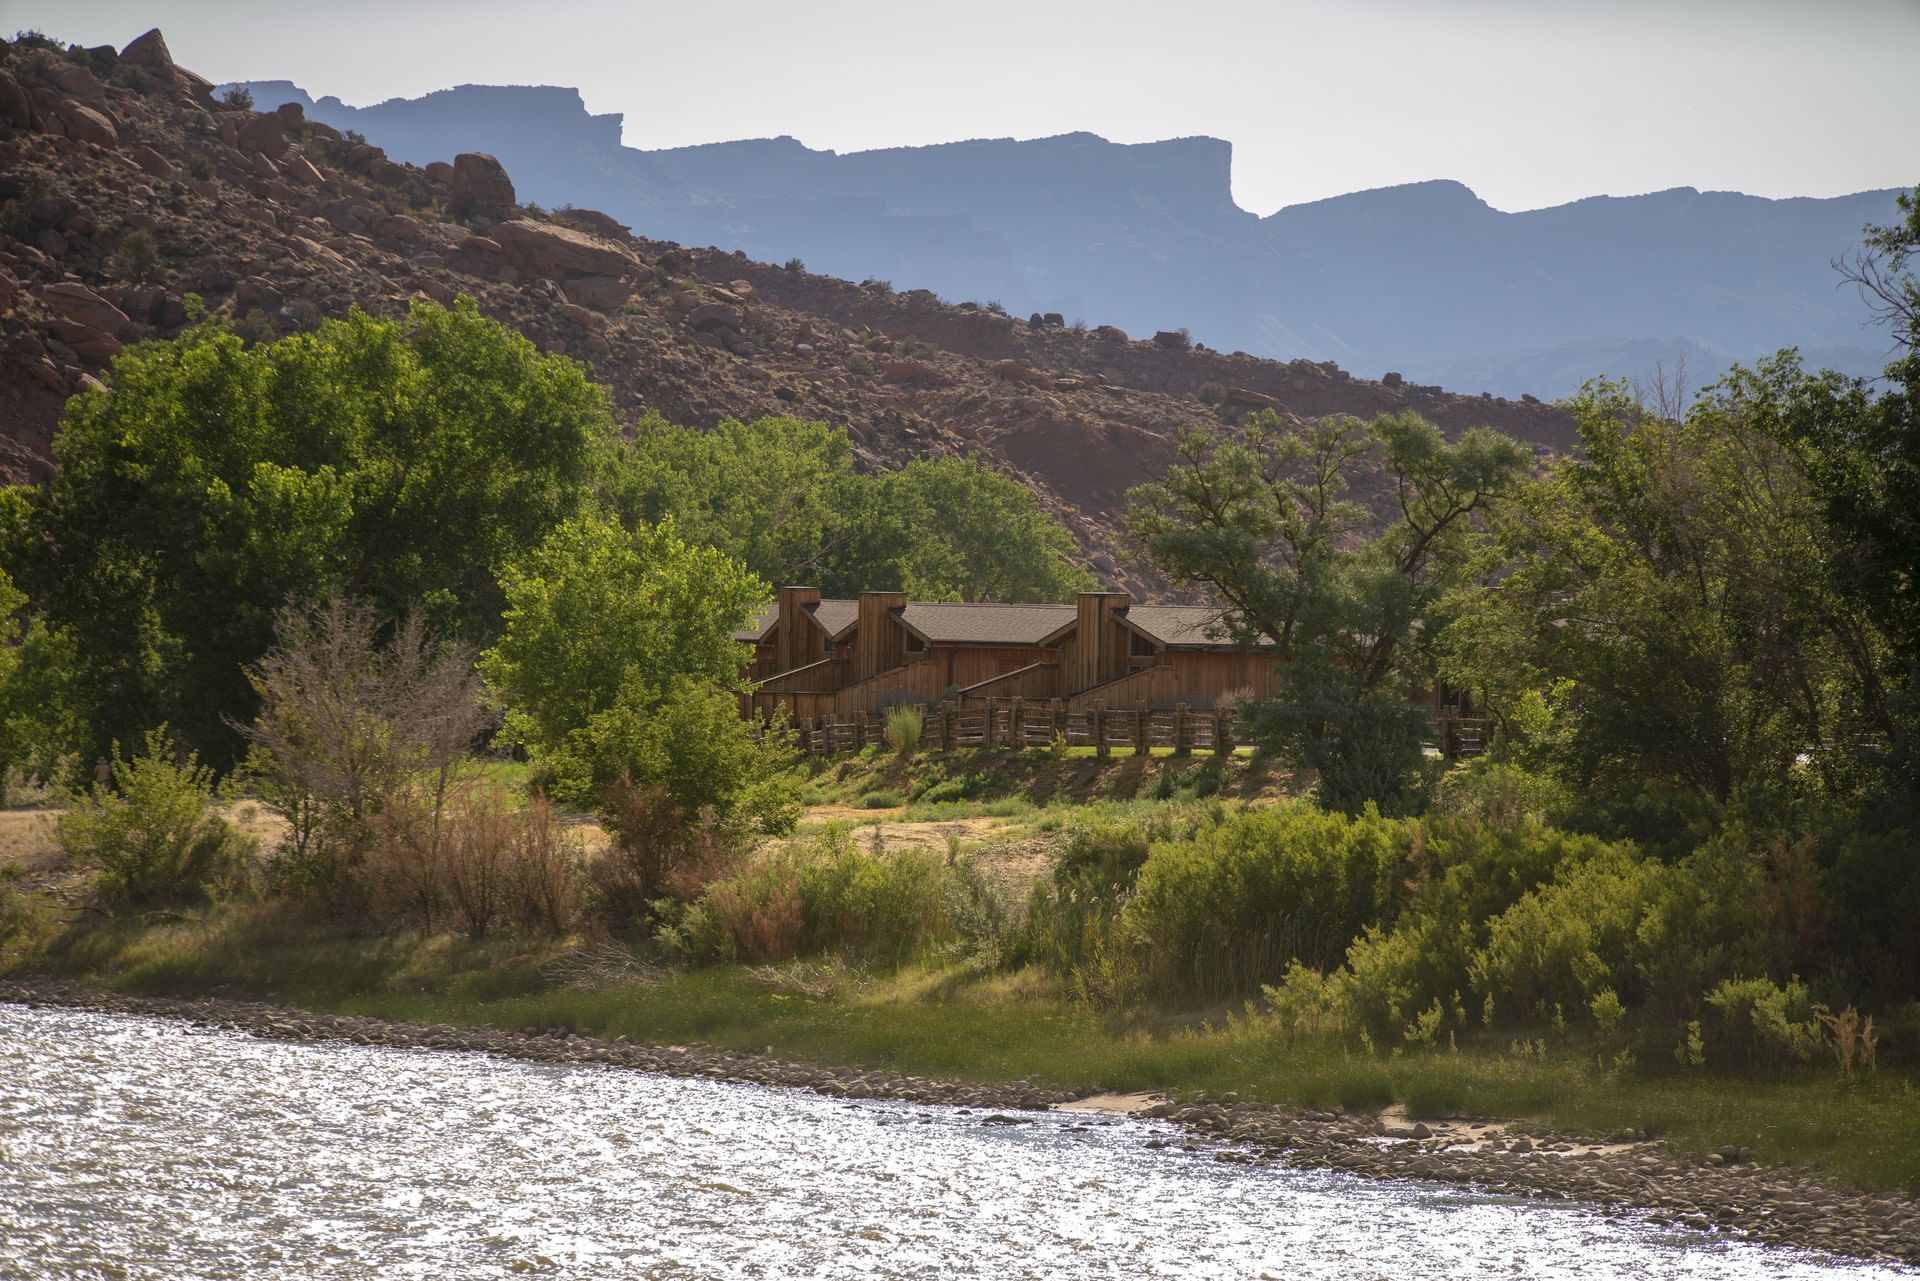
column 835, row 659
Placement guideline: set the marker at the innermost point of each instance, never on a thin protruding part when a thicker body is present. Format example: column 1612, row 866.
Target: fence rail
column 1017, row 722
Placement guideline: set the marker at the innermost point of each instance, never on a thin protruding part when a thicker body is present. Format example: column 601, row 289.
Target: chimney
column 793, row 634
column 879, row 641
column 1099, row 649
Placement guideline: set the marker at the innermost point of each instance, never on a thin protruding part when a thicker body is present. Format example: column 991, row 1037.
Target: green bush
column 881, row 800
column 1499, row 794
column 157, row 839
column 906, row 726
column 16, row 912
column 1234, row 906
column 1761, row 1024
column 824, row 895
column 1564, row 943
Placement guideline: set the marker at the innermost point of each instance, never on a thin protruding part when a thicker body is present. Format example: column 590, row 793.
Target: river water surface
column 134, row 1147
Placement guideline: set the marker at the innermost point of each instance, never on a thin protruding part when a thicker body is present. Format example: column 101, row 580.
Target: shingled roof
column 756, row 630
column 986, row 624
column 1179, row 626
column 836, row 617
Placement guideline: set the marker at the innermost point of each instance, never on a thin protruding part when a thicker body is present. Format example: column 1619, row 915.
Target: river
column 142, row 1148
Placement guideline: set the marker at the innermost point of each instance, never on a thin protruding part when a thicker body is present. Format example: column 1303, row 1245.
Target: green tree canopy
column 1671, row 603
column 212, row 484
column 618, row 658
column 1263, row 518
column 782, row 496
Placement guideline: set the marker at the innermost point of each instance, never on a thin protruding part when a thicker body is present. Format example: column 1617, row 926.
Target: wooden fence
column 1016, row 722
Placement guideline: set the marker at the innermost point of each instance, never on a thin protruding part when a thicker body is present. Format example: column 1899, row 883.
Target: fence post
column 1100, row 730
column 1017, row 723
column 1223, row 731
column 1057, row 714
column 1181, row 745
column 946, row 725
column 1142, row 727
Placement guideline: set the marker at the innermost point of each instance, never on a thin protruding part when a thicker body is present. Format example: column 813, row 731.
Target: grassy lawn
column 946, row 1023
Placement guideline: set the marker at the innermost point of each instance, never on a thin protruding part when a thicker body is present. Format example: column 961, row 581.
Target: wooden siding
column 1198, row 678
column 1039, row 680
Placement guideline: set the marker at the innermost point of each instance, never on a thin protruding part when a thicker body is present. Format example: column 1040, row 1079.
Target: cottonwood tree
column 402, row 461
column 618, row 662
column 1265, row 518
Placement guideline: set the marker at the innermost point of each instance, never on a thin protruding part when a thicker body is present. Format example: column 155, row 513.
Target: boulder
column 86, row 341
column 1111, row 333
column 397, row 228
column 16, row 107
column 76, row 81
column 151, row 162
column 1015, row 372
column 1172, row 340
column 602, row 293
column 265, row 136
column 912, row 373
column 149, row 52
column 1243, row 398
column 715, row 315
column 9, row 289
column 559, row 253
column 480, row 185
column 301, row 170
column 81, row 305
column 84, row 124
column 598, row 223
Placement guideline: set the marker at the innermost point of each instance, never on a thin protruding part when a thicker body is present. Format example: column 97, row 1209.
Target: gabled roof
column 836, row 617
column 986, row 624
column 1179, row 626
column 757, row 627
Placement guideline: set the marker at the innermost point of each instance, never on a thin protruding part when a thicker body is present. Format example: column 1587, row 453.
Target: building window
column 1140, row 646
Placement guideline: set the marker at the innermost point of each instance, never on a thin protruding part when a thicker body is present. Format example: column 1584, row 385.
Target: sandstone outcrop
column 543, row 251
column 480, row 186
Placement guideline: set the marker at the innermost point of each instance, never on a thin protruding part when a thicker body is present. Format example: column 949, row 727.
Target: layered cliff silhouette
column 1426, row 279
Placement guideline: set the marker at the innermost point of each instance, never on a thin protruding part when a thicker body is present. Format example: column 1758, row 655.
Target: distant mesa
column 1425, row 278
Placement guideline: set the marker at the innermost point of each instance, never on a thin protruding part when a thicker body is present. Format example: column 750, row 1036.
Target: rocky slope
column 127, row 187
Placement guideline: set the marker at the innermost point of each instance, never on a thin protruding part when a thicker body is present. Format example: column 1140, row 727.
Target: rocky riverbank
column 1627, row 1172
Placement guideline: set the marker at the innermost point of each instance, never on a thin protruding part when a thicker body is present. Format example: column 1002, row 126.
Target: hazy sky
column 1529, row 102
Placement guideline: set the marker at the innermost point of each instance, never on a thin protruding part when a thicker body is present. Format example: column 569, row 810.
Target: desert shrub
column 1245, row 897
column 544, row 893
column 1564, row 943
column 1497, row 793
column 824, row 895
column 1305, row 1003
column 795, row 265
column 238, row 98
column 200, row 165
column 881, row 799
column 16, row 912
column 657, row 852
column 507, row 866
column 1211, row 393
column 906, row 726
column 128, row 76
column 1761, row 1024
column 157, row 839
column 478, row 849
